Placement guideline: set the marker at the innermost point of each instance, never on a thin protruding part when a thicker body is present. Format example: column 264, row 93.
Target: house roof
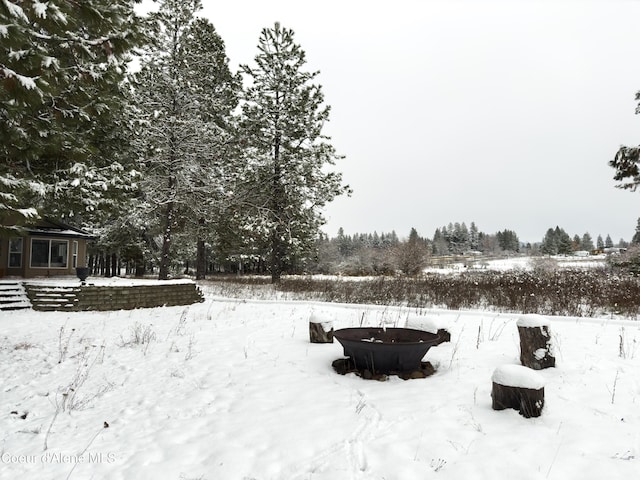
column 50, row 228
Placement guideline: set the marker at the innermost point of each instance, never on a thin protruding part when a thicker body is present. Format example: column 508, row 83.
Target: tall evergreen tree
column 185, row 94
column 576, row 244
column 440, row 246
column 411, row 255
column 556, row 241
column 284, row 113
column 223, row 91
column 61, row 67
column 608, row 242
column 626, row 162
column 508, row 241
column 636, row 236
column 587, row 242
column 600, row 242
column 563, row 241
column 549, row 245
column 459, row 238
column 474, row 241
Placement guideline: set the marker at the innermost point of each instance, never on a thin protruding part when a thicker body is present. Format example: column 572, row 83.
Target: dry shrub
column 544, row 291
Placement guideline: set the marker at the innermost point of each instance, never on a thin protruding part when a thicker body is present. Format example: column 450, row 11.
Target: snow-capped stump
column 535, row 342
column 320, row 330
column 432, row 325
column 518, row 387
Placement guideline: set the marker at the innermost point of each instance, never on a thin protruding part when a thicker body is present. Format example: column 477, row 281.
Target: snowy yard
column 233, row 389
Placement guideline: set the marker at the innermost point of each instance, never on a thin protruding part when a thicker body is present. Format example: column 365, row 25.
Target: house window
column 49, row 253
column 15, row 252
column 74, row 254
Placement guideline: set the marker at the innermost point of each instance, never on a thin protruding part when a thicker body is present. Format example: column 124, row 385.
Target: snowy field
column 522, row 263
column 231, row 389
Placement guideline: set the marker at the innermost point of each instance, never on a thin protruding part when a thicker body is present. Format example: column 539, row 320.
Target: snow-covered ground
column 522, row 263
column 232, row 389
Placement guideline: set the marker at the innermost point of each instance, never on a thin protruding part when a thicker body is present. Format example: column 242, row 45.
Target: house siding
column 26, row 271
column 30, row 272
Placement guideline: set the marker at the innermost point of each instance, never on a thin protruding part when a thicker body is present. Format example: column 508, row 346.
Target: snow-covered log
column 320, row 330
column 518, row 387
column 536, row 349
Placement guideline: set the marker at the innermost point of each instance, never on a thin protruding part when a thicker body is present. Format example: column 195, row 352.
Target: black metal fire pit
column 386, row 351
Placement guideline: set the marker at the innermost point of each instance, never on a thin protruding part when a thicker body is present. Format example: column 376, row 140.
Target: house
column 43, row 248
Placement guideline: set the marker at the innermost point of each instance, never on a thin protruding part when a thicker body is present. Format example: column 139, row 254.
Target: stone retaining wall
column 95, row 297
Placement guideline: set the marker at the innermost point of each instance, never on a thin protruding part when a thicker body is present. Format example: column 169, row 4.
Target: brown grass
column 576, row 293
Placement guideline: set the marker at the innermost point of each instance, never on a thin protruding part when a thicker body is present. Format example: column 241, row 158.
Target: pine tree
column 549, row 244
column 563, row 241
column 556, row 241
column 626, row 162
column 375, row 240
column 587, row 242
column 459, row 238
column 447, row 232
column 508, row 241
column 344, row 244
column 600, row 242
column 440, row 246
column 473, row 237
column 636, row 236
column 392, row 239
column 62, row 65
column 576, row 244
column 608, row 242
column 411, row 255
column 185, row 95
column 283, row 116
column 222, row 91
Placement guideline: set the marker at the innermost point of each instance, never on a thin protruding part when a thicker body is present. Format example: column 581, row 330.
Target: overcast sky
column 502, row 113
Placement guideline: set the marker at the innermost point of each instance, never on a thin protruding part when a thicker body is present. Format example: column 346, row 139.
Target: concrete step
column 52, row 298
column 13, row 296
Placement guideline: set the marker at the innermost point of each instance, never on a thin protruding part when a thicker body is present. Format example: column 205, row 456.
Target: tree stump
column 518, row 387
column 320, row 331
column 535, row 342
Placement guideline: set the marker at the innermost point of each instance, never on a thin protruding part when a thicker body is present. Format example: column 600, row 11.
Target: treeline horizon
column 386, row 253
column 457, row 238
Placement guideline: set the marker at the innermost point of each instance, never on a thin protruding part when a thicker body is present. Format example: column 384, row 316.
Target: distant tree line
column 386, row 253
column 558, row 242
column 456, row 238
column 383, row 253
